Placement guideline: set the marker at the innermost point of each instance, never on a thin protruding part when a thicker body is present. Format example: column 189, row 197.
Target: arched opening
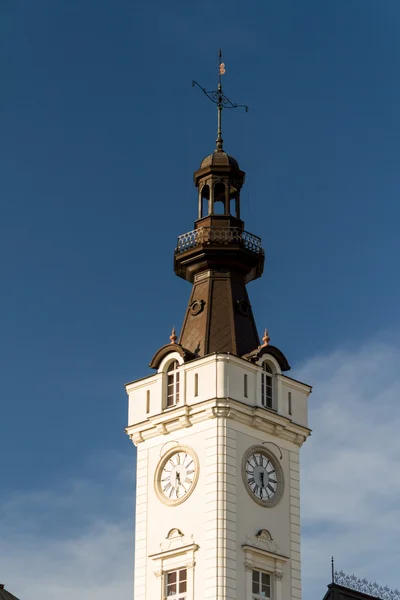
column 172, row 384
column 267, row 396
column 219, row 199
column 204, row 202
column 234, row 204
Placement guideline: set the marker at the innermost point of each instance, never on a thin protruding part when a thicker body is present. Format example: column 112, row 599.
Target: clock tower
column 219, row 425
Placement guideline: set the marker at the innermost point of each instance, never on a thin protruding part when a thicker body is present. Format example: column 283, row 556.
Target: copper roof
column 219, row 158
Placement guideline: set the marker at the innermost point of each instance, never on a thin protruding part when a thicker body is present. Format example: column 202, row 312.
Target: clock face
column 176, row 476
column 263, row 476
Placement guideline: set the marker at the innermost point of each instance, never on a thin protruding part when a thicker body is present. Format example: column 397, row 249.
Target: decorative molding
column 264, row 535
column 365, row 587
column 185, row 421
column 174, row 533
column 159, row 573
column 251, row 552
column 278, row 575
column 248, row 565
column 196, row 307
column 221, row 411
column 136, row 438
column 263, row 542
column 243, row 307
column 263, row 420
column 191, row 564
column 175, row 552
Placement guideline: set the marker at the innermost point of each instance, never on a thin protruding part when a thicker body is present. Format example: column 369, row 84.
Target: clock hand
column 177, row 479
column 262, row 479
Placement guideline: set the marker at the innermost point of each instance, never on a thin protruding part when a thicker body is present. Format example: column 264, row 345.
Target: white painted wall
column 219, row 516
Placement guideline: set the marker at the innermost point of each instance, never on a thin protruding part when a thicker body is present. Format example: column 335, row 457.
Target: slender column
column 200, row 204
column 227, row 207
column 211, row 200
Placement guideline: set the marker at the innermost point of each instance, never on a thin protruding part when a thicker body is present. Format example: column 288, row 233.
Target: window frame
column 177, row 553
column 264, row 558
column 178, row 594
column 260, row 596
column 267, row 385
column 172, row 382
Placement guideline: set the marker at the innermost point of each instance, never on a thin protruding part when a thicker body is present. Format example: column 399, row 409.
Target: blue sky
column 100, row 134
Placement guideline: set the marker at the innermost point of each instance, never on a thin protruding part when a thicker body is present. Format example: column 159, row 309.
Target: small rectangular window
column 245, row 386
column 290, row 403
column 196, row 384
column 261, row 585
column 148, row 401
column 176, row 584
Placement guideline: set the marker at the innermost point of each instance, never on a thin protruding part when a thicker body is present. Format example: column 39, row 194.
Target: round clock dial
column 176, row 476
column 263, row 476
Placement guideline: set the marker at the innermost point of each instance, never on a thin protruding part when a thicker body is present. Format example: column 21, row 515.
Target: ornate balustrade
column 362, row 585
column 219, row 236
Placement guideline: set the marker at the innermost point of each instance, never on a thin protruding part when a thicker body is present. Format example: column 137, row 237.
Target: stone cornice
column 174, row 551
column 178, row 418
column 254, row 549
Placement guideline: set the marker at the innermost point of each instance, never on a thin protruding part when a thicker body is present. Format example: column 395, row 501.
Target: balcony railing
column 219, row 236
column 365, row 587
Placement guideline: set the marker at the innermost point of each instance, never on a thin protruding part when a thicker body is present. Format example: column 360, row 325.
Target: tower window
column 172, row 384
column 176, row 584
column 245, row 386
column 266, row 386
column 261, row 585
column 196, row 384
column 205, row 199
column 219, row 199
column 148, row 401
column 290, row 403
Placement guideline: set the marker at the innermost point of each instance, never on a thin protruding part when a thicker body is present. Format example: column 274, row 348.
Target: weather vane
column 218, row 97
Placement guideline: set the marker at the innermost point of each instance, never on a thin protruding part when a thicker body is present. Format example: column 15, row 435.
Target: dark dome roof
column 219, row 158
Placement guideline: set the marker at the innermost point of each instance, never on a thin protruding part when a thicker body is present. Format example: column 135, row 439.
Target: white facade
column 220, row 534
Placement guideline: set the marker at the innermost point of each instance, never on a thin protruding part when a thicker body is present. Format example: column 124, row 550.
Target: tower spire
column 218, row 97
column 221, row 71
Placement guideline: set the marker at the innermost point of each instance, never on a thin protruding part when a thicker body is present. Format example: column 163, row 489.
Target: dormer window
column 266, row 386
column 172, row 384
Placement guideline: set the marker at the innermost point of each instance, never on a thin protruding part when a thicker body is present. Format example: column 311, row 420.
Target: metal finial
column 266, row 339
column 218, row 97
column 173, row 336
column 333, row 569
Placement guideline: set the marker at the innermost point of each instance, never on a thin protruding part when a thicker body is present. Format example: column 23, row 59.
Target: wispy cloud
column 65, row 542
column 350, row 472
column 76, row 539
